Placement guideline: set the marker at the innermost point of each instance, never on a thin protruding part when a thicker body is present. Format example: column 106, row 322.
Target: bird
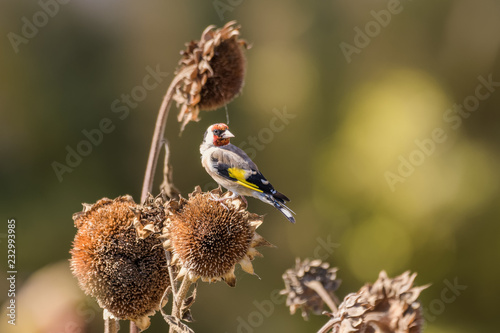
column 231, row 168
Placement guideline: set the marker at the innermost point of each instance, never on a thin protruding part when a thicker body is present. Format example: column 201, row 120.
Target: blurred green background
column 390, row 151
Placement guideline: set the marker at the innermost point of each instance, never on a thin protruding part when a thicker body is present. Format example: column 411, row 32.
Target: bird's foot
column 215, row 198
column 222, row 204
column 232, row 196
column 221, row 200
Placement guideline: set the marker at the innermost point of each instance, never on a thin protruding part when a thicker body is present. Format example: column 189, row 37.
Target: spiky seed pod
column 208, row 237
column 126, row 275
column 300, row 289
column 216, row 71
column 388, row 305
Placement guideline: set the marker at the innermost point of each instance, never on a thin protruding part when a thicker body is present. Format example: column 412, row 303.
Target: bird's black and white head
column 217, row 135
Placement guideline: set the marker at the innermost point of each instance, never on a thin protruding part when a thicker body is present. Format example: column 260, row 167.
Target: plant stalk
column 171, row 273
column 179, row 300
column 133, row 328
column 181, row 296
column 111, row 325
column 159, row 132
column 325, row 296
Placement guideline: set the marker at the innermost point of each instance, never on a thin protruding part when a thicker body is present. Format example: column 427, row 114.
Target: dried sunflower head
column 213, row 70
column 126, row 275
column 208, row 237
column 303, row 286
column 388, row 305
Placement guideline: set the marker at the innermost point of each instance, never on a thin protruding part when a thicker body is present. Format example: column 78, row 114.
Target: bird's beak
column 227, row 135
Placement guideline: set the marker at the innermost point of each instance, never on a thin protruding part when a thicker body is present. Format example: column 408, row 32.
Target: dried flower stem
column 156, row 142
column 325, row 296
column 181, row 296
column 147, row 186
column 111, row 325
column 168, row 255
column 167, row 187
column 133, row 328
column 179, row 300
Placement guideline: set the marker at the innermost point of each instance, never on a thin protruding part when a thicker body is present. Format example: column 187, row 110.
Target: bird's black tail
column 280, row 197
column 278, row 200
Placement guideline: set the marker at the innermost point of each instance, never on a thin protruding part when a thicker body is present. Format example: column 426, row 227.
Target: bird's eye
column 217, row 132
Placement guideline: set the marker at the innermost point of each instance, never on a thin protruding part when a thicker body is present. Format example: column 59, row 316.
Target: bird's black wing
column 243, row 171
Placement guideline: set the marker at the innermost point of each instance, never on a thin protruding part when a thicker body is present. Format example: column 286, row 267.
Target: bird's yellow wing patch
column 239, row 175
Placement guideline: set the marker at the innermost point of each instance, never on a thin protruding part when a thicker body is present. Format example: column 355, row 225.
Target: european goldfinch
column 231, row 168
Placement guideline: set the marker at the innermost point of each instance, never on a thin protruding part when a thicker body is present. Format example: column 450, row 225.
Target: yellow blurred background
column 379, row 119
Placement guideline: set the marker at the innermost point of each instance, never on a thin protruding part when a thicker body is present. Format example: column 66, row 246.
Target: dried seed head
column 301, row 285
column 126, row 275
column 388, row 305
column 208, row 237
column 213, row 69
column 150, row 216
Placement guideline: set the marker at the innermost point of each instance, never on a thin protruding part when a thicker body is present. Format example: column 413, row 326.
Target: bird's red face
column 221, row 134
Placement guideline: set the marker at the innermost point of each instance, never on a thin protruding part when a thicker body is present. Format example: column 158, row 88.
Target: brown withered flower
column 150, row 216
column 309, row 286
column 126, row 275
column 388, row 305
column 208, row 237
column 215, row 68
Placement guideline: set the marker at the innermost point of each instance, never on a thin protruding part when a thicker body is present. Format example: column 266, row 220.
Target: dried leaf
column 177, row 324
column 186, row 305
column 187, row 316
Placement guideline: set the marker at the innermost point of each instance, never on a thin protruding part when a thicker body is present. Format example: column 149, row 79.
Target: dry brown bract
column 213, row 69
column 150, row 216
column 388, row 305
column 208, row 237
column 126, row 275
column 303, row 282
